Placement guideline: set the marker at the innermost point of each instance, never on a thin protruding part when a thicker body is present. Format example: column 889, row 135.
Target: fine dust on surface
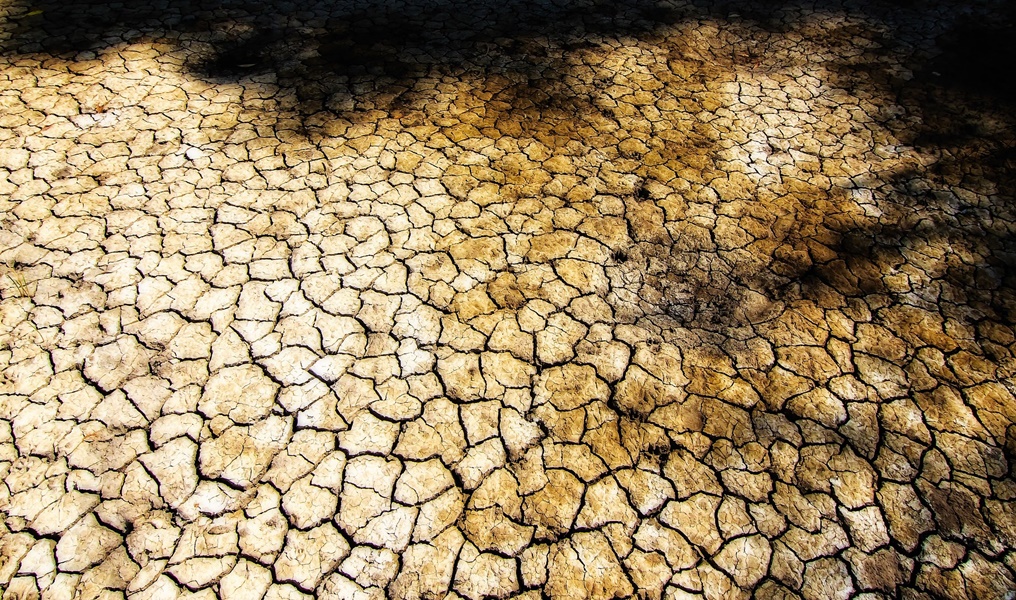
column 507, row 300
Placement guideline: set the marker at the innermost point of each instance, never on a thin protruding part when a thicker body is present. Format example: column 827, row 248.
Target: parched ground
column 507, row 298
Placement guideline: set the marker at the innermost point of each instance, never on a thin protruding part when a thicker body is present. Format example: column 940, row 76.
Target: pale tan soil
column 507, row 299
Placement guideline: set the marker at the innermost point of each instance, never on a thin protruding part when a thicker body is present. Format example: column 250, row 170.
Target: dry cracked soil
column 530, row 299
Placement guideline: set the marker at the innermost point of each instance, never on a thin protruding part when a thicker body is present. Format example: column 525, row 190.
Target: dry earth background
column 507, row 298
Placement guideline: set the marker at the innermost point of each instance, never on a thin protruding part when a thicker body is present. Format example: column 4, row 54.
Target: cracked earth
column 507, row 299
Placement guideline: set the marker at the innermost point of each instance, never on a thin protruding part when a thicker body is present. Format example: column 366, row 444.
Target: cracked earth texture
column 513, row 299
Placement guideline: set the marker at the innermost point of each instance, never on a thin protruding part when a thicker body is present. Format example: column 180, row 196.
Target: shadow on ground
column 526, row 60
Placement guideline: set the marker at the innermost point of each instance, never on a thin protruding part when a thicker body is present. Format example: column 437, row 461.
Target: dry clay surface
column 506, row 299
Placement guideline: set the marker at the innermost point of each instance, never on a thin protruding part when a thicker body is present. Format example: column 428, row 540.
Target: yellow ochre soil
column 531, row 299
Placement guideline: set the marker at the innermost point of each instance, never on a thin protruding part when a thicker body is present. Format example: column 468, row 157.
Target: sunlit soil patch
column 518, row 300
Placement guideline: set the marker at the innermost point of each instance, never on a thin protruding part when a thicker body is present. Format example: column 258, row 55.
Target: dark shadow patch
column 248, row 56
column 955, row 105
column 520, row 62
column 978, row 59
